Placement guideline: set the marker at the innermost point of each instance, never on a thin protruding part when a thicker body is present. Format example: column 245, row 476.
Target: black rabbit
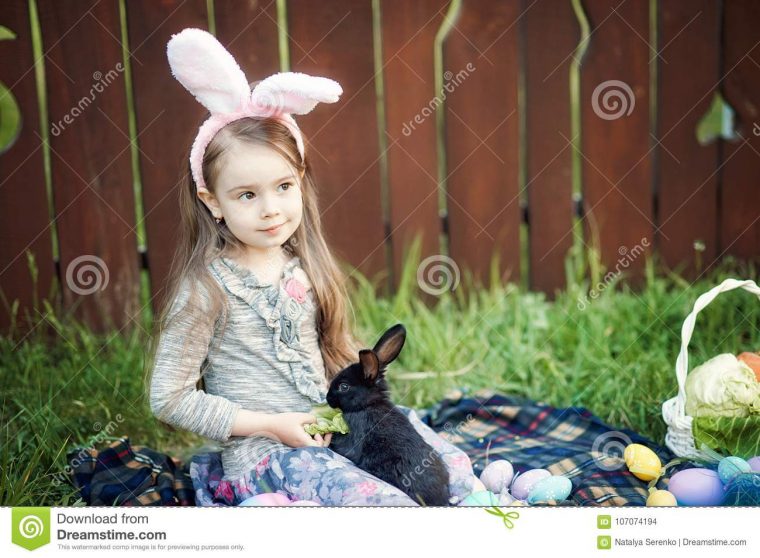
column 381, row 440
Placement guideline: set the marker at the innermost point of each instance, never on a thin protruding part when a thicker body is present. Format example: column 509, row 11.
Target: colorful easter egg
column 305, row 503
column 497, row 475
column 266, row 499
column 697, row 487
column 556, row 487
column 642, row 462
column 729, row 467
column 754, row 464
column 661, row 498
column 523, row 483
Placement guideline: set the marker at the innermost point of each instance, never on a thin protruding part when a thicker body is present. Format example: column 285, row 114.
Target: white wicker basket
column 679, row 437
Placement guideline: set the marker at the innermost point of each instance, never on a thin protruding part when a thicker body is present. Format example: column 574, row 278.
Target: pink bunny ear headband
column 205, row 68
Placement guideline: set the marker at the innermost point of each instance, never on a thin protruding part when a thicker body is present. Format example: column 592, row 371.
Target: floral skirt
column 323, row 476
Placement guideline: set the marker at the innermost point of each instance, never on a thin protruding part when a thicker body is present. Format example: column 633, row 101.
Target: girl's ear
column 210, row 201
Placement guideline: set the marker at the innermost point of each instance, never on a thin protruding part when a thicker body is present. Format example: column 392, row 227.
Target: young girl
column 257, row 307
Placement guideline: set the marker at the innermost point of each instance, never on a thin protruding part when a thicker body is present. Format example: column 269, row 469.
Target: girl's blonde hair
column 201, row 240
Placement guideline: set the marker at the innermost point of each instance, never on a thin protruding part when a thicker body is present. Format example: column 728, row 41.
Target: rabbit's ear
column 370, row 364
column 294, row 93
column 390, row 344
column 208, row 71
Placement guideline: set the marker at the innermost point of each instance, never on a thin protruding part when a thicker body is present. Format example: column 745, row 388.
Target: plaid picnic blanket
column 570, row 441
column 126, row 475
column 486, row 425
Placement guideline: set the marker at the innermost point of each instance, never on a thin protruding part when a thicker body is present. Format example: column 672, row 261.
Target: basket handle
column 682, row 363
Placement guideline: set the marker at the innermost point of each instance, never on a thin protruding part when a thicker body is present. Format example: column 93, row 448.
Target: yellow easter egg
column 478, row 486
column 642, row 462
column 661, row 498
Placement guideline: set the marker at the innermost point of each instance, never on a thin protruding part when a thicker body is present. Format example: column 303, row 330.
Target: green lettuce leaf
column 328, row 420
column 739, row 436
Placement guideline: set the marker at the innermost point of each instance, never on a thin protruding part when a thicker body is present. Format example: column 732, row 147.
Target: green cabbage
column 328, row 420
column 739, row 436
column 722, row 387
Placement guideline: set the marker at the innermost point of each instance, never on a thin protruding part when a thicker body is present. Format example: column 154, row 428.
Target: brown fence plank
column 336, row 41
column 409, row 30
column 617, row 157
column 90, row 158
column 249, row 32
column 22, row 186
column 740, row 195
column 482, row 133
column 167, row 118
column 548, row 135
column 687, row 173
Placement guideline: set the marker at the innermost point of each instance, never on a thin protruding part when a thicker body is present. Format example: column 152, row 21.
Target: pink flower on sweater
column 225, row 491
column 296, row 290
column 261, row 466
column 367, row 488
column 461, row 460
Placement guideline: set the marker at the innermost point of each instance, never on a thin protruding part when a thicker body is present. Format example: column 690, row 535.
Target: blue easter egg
column 729, row 467
column 481, row 498
column 556, row 487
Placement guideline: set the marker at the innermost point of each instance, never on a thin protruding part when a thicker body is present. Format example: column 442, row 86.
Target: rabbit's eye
column 343, row 387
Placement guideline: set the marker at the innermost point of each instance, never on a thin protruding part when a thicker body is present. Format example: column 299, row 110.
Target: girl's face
column 258, row 193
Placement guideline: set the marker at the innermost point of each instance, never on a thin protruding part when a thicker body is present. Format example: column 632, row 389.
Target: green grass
column 63, row 385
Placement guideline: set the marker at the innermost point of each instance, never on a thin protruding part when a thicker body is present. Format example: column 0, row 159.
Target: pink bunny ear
column 208, row 71
column 294, row 93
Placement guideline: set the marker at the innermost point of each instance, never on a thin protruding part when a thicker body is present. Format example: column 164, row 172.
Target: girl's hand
column 323, row 441
column 288, row 429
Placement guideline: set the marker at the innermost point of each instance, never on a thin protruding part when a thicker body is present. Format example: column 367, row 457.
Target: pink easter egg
column 754, row 464
column 267, row 499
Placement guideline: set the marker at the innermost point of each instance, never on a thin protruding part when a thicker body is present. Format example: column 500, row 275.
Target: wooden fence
column 482, row 125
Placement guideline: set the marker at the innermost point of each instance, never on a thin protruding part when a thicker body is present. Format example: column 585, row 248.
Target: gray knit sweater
column 268, row 360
